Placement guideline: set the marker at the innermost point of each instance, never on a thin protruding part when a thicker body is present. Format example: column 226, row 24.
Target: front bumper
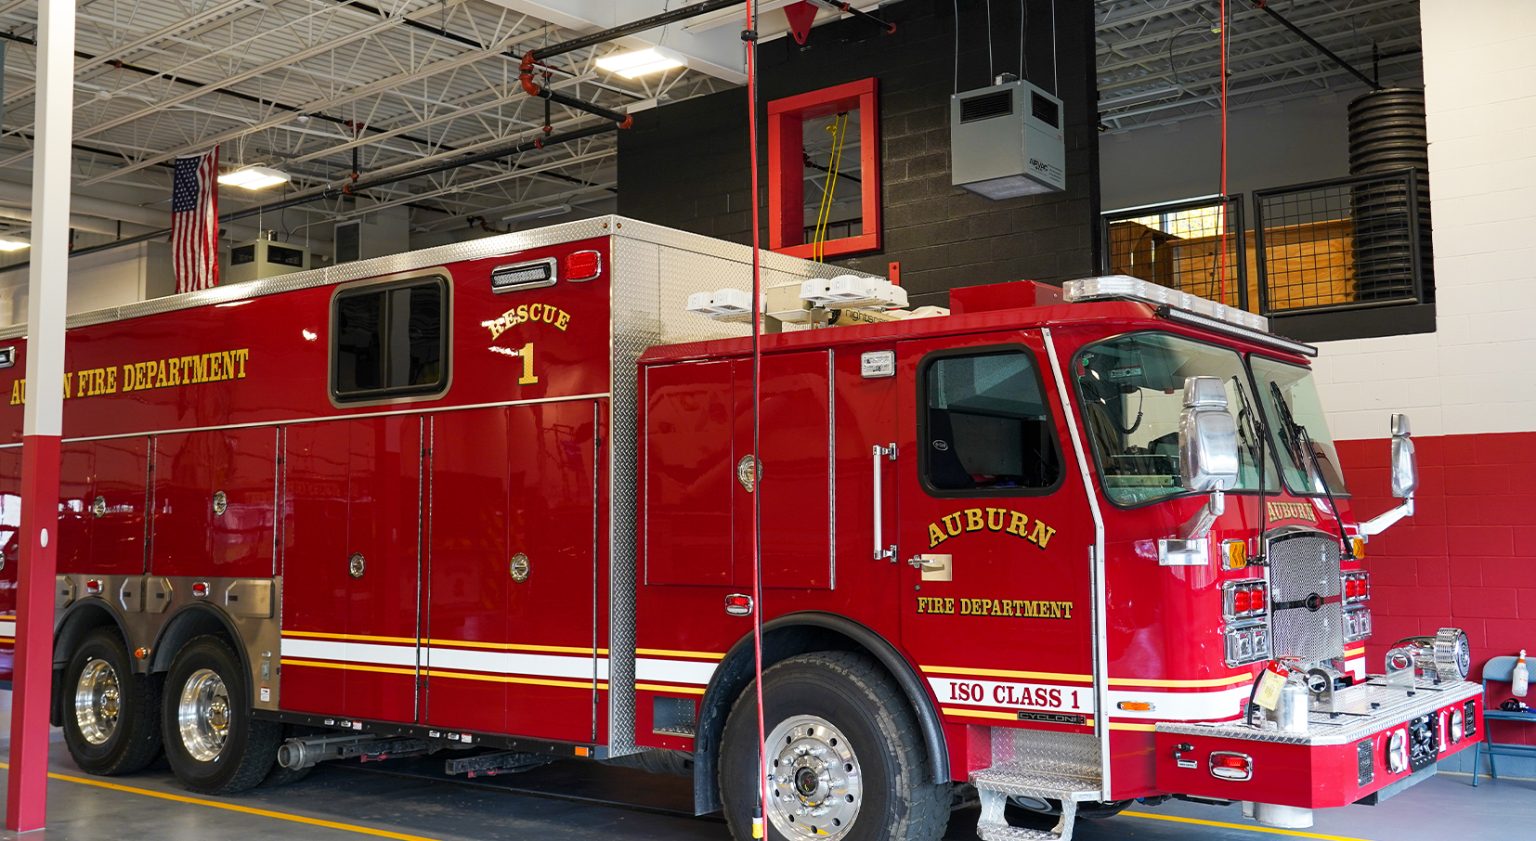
column 1345, row 756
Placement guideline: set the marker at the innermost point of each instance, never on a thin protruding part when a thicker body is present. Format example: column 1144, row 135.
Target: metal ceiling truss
column 1159, row 60
column 320, row 87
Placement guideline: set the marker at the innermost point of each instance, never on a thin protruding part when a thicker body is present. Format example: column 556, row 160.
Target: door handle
column 934, row 567
column 883, row 551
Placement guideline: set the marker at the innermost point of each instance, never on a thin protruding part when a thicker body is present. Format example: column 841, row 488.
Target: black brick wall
column 685, row 165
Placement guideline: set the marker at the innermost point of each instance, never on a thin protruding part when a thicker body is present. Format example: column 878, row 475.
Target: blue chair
column 1499, row 670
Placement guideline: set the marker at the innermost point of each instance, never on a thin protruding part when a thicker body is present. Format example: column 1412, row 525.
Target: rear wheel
column 111, row 715
column 213, row 743
column 844, row 756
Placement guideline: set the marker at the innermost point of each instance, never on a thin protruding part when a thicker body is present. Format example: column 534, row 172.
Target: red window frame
column 786, row 168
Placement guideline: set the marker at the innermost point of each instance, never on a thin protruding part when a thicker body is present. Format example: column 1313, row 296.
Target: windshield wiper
column 1258, row 435
column 1296, row 438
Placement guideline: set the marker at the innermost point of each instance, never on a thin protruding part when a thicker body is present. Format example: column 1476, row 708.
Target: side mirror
column 1405, row 465
column 1208, row 459
column 1207, row 437
column 1405, row 479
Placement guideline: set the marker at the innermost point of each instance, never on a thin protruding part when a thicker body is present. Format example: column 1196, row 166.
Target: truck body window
column 390, row 340
column 986, row 425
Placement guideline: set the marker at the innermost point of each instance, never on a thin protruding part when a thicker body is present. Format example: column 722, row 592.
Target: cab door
column 994, row 534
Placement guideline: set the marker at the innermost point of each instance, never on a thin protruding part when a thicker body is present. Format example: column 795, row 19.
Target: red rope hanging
column 1221, row 252
column 749, row 37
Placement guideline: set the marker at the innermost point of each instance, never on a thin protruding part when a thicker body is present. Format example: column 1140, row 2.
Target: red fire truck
column 496, row 500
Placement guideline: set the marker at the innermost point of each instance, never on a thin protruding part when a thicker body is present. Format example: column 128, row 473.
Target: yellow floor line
column 234, row 807
column 1269, row 830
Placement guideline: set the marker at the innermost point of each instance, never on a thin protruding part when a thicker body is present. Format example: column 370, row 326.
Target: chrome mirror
column 1405, row 465
column 1207, row 436
column 1208, row 460
column 1405, row 479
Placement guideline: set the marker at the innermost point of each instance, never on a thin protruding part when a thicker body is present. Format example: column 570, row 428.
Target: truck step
column 995, row 785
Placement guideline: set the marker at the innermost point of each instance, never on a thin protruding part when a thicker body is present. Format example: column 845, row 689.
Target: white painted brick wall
column 1477, row 372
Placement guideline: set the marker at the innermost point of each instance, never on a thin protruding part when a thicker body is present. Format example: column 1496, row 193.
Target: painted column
column 26, row 801
column 1467, row 558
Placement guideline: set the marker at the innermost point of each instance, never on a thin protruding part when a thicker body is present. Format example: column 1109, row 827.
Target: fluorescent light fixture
column 8, row 244
column 636, row 63
column 538, row 213
column 254, row 178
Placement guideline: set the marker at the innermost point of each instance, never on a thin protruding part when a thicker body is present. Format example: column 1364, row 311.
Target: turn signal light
column 1357, row 547
column 1228, row 765
column 1234, row 554
column 1357, row 587
column 1245, row 599
column 738, row 604
column 583, row 265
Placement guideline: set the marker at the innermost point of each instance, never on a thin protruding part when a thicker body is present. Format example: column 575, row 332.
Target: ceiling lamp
column 538, row 213
column 8, row 244
column 254, row 178
column 636, row 63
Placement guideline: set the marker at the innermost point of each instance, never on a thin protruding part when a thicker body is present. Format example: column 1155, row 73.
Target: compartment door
column 798, row 504
column 103, row 490
column 10, row 548
column 351, row 571
column 214, row 503
column 510, row 641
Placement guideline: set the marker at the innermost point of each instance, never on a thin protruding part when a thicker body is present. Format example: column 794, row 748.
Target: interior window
column 986, row 425
column 390, row 340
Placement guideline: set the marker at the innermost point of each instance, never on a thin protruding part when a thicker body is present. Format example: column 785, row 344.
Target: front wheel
column 844, row 756
column 213, row 743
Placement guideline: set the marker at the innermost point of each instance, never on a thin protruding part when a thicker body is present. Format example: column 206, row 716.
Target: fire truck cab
column 500, row 500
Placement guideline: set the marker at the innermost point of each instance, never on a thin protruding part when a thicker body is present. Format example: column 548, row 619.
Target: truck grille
column 1306, row 596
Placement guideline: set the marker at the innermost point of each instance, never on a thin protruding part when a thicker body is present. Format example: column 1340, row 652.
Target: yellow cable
column 838, row 128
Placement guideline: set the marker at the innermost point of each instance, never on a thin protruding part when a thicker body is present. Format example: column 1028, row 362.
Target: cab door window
column 985, row 425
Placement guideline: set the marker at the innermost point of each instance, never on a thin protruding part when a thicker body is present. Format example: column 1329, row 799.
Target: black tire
column 853, row 695
column 280, row 776
column 114, row 732
column 225, row 749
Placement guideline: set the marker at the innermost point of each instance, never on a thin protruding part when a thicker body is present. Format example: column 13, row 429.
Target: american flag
column 195, row 222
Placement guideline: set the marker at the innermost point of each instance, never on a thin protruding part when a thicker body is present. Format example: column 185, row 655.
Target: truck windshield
column 1132, row 390
column 1296, row 387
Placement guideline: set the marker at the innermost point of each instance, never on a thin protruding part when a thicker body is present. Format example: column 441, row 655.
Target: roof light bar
column 1125, row 286
column 1259, row 336
column 1183, row 307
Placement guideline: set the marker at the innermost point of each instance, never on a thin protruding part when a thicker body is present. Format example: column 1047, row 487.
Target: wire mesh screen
column 1343, row 244
column 1193, row 246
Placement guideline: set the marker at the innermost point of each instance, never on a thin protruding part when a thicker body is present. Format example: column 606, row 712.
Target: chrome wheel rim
column 203, row 715
column 98, row 701
column 816, row 785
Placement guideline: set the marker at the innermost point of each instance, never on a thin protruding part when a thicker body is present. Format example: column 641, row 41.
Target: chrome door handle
column 882, row 550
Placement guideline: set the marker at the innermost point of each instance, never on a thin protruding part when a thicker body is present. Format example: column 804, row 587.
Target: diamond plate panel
column 1303, row 566
column 1393, row 706
column 1074, row 755
column 655, row 269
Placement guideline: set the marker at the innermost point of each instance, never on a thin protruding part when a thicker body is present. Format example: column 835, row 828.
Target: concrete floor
column 397, row 800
